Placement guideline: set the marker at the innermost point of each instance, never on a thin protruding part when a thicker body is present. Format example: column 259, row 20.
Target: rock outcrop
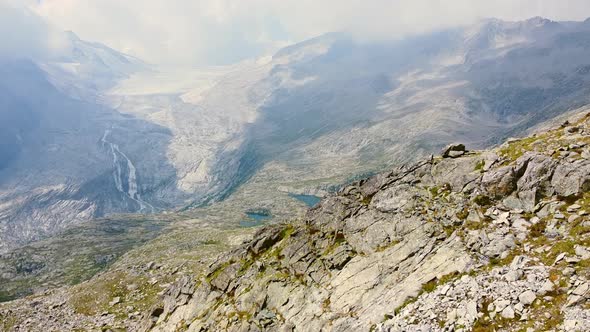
column 495, row 239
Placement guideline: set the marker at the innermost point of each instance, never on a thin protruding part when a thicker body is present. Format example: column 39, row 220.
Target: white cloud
column 221, row 31
column 24, row 34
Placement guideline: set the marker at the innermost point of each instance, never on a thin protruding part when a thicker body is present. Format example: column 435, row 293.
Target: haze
column 213, row 32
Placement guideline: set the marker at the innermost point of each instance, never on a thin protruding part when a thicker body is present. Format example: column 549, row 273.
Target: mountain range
column 96, row 134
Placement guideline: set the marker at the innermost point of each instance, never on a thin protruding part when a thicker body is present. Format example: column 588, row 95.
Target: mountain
column 110, row 134
column 60, row 161
column 90, row 67
column 483, row 240
column 296, row 116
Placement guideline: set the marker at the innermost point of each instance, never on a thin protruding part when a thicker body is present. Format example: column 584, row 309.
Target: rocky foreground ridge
column 471, row 241
column 494, row 240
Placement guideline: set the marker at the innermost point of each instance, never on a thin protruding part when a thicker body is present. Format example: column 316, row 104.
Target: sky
column 212, row 32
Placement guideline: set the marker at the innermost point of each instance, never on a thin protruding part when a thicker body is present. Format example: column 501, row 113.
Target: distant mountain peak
column 538, row 21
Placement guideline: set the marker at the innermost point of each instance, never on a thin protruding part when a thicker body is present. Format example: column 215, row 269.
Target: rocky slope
column 470, row 241
column 480, row 240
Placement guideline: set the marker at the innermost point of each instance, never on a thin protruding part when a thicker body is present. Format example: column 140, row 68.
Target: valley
column 134, row 174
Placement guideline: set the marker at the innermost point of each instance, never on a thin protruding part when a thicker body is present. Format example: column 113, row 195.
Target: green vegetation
column 366, row 200
column 287, row 231
column 538, row 229
column 463, row 214
column 387, row 246
column 430, row 286
column 93, row 298
column 517, row 148
column 407, row 302
column 483, row 200
column 213, row 275
column 77, row 254
column 7, row 323
column 479, row 166
column 484, row 324
column 433, row 191
column 337, row 239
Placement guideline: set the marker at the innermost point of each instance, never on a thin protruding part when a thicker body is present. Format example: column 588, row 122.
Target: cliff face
column 471, row 240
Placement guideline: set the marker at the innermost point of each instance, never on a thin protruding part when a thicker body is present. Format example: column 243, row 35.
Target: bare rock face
column 500, row 182
column 369, row 257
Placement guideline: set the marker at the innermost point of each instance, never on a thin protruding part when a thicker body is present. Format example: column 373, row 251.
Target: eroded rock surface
column 471, row 239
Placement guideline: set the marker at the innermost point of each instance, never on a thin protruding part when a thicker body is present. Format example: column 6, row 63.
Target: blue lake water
column 255, row 219
column 309, row 200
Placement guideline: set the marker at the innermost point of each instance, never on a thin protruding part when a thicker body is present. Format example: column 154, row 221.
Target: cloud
column 26, row 35
column 223, row 31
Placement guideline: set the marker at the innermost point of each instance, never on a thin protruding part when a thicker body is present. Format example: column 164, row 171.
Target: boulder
column 508, row 312
column 571, row 178
column 527, row 297
column 453, row 150
column 500, row 182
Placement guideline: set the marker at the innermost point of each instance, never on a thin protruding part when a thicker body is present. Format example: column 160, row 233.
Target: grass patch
column 366, row 200
column 434, row 191
column 407, row 302
column 210, row 242
column 516, row 149
column 93, row 297
column 483, row 200
column 287, row 231
column 479, row 166
column 537, row 230
column 561, row 247
column 430, row 286
column 217, row 271
column 463, row 214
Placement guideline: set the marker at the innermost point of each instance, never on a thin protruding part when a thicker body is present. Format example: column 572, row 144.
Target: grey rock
column 581, row 251
column 501, row 304
column 455, row 154
column 527, row 298
column 508, row 312
column 573, row 208
column 547, row 287
column 582, row 290
column 455, row 149
column 500, row 182
column 574, row 300
column 559, row 257
column 570, row 179
column 115, row 301
column 513, row 275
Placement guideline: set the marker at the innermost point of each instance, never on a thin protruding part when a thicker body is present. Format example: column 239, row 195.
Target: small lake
column 255, row 219
column 309, row 200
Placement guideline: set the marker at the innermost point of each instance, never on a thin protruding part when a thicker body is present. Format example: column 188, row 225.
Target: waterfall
column 119, row 159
